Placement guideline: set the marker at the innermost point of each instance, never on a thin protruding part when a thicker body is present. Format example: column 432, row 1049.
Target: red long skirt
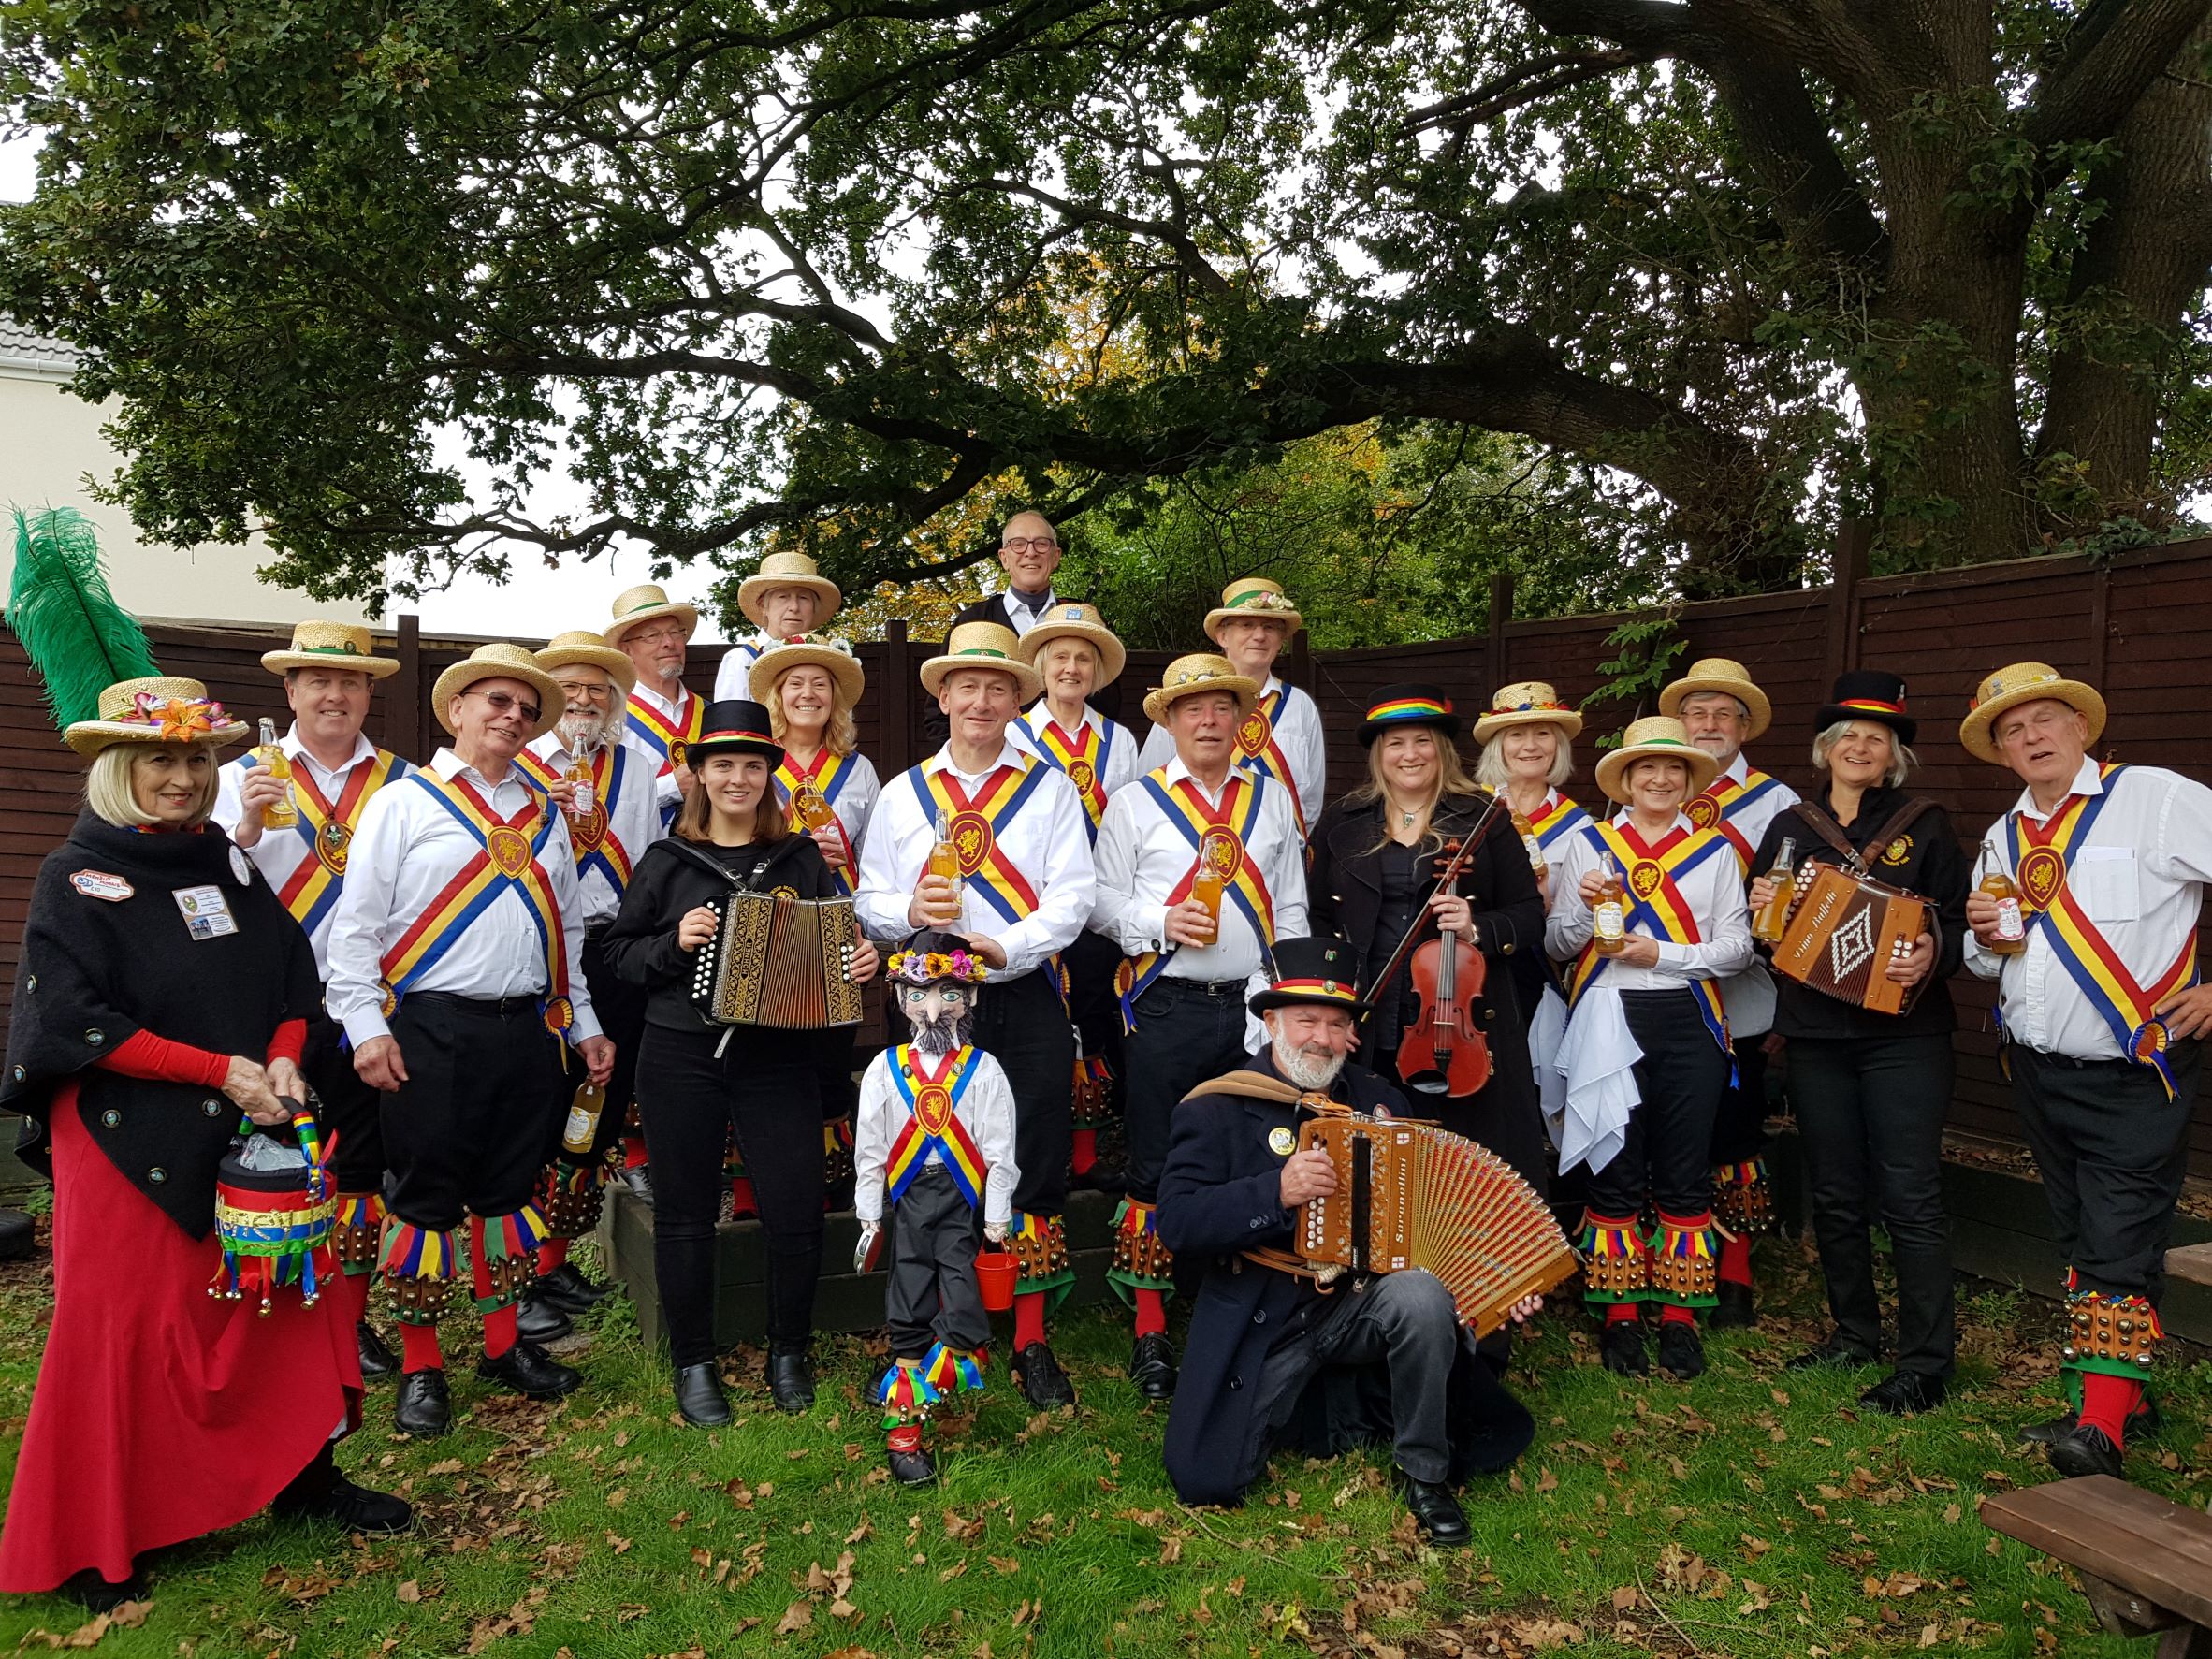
column 161, row 1412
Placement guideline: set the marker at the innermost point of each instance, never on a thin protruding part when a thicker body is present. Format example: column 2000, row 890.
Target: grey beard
column 587, row 734
column 941, row 1037
column 1307, row 1070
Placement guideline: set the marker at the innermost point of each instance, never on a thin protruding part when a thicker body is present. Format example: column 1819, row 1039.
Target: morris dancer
column 2102, row 1017
column 457, row 969
column 1030, row 554
column 330, row 673
column 786, row 597
column 1024, row 891
column 1527, row 739
column 1199, row 955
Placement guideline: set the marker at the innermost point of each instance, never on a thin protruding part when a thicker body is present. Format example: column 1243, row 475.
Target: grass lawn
column 1751, row 1513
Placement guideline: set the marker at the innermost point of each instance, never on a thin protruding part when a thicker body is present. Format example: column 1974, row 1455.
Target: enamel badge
column 100, row 884
column 1281, row 1141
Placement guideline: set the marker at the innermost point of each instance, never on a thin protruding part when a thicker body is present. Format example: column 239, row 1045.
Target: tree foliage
column 859, row 275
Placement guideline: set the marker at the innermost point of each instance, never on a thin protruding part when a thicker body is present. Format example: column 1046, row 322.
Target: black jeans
column 1023, row 1025
column 1740, row 1119
column 1664, row 1156
column 1188, row 1033
column 351, row 1109
column 621, row 1007
column 475, row 1121
column 1870, row 1117
column 687, row 1100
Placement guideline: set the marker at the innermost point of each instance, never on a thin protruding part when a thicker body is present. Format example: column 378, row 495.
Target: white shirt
column 1121, row 767
column 1021, row 617
column 1047, row 841
column 858, row 790
column 678, row 714
column 407, row 848
column 1577, row 821
column 733, row 678
column 986, row 1110
column 632, row 818
column 2139, row 875
column 1298, row 734
column 1714, row 893
column 279, row 852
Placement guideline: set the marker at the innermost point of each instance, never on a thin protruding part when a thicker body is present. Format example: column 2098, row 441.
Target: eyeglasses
column 1027, row 544
column 655, row 635
column 504, row 702
column 580, row 689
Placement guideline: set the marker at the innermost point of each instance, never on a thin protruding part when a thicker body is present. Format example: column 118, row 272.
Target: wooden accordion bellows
column 1411, row 1195
column 780, row 962
column 1844, row 931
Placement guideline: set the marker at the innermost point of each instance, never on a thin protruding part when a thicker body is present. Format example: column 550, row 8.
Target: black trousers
column 621, row 1007
column 689, row 1099
column 1870, row 1118
column 351, row 1111
column 1093, row 1004
column 932, row 1293
column 1664, row 1157
column 1188, row 1033
column 1739, row 1121
column 2112, row 1150
column 1021, row 1023
column 475, row 1121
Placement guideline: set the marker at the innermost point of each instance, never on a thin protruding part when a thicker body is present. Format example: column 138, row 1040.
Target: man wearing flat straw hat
column 1200, row 866
column 652, row 631
column 788, row 596
column 1723, row 710
column 2094, row 954
column 1013, row 829
column 457, row 969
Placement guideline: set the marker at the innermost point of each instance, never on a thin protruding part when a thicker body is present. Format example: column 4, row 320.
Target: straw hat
column 982, row 645
column 1527, row 703
column 787, row 570
column 159, row 709
column 797, row 651
column 330, row 645
column 1656, row 737
column 1719, row 673
column 1202, row 670
column 1254, row 596
column 499, row 661
column 642, row 603
column 580, row 647
column 1078, row 621
column 2023, row 682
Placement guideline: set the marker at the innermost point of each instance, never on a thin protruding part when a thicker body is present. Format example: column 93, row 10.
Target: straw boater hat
column 982, row 645
column 1202, row 670
column 634, row 606
column 159, row 709
column 581, row 647
column 1527, row 703
column 1254, row 596
column 2024, row 682
column 499, row 661
column 1657, row 737
column 796, row 652
column 330, row 645
column 1719, row 673
column 1078, row 621
column 787, row 570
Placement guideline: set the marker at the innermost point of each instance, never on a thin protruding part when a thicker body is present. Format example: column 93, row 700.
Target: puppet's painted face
column 941, row 1013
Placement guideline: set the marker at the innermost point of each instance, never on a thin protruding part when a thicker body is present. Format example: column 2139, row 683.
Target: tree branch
column 2112, row 55
column 1522, row 85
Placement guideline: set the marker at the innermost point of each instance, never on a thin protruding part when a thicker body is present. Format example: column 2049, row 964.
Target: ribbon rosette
column 180, row 718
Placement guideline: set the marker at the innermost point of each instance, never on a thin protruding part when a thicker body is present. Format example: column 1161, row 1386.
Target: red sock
column 1736, row 1261
column 1152, row 1312
column 1087, row 1151
column 418, row 1348
column 1675, row 1314
column 2107, row 1400
column 351, row 1295
column 1623, row 1313
column 1028, row 1318
column 499, row 1328
column 906, row 1437
column 553, row 1253
column 741, row 1200
column 633, row 1152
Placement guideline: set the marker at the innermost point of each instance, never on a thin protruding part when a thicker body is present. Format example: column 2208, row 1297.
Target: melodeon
column 1410, row 1195
column 780, row 962
column 1844, row 931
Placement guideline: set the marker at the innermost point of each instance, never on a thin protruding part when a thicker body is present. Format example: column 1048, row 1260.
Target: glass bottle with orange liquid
column 1608, row 916
column 944, row 857
column 579, row 773
column 813, row 811
column 279, row 814
column 1527, row 832
column 2012, row 925
column 1773, row 920
column 1206, row 883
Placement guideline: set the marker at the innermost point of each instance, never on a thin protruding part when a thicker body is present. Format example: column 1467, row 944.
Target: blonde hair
column 108, row 792
column 1451, row 780
column 1490, row 765
column 840, row 737
column 1901, row 758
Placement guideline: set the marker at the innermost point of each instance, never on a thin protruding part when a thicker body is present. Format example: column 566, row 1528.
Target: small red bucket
column 996, row 1271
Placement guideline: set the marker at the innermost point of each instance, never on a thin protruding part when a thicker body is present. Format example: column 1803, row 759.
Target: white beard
column 588, row 732
column 1313, row 1073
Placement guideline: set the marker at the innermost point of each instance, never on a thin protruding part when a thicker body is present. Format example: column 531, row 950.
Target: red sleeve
column 288, row 1043
column 144, row 1055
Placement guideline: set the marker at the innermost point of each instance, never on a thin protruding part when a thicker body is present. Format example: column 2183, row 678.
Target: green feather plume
column 79, row 639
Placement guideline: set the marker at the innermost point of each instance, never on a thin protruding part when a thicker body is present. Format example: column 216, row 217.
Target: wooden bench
column 2191, row 1263
column 2144, row 1564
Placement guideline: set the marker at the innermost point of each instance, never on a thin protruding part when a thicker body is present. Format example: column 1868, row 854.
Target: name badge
column 102, row 885
column 206, row 911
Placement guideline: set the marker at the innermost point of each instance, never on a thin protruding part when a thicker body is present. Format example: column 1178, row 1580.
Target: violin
column 1442, row 1052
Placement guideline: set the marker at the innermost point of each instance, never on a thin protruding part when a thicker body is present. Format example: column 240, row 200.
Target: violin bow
column 1449, row 875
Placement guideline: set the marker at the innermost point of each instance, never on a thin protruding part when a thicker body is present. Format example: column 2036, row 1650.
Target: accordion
column 1844, row 931
column 780, row 962
column 1412, row 1195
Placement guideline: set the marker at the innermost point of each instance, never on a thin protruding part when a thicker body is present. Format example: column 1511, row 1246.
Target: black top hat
column 1868, row 694
column 1319, row 973
column 1407, row 705
column 735, row 726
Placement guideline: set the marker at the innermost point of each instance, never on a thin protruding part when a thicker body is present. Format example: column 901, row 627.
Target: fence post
column 403, row 704
column 1302, row 662
column 1854, row 542
column 1494, row 650
column 898, row 699
column 2100, row 620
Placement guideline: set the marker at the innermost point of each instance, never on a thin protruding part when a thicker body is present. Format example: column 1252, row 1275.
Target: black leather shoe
column 699, row 1396
column 2144, row 1419
column 1152, row 1366
column 1101, row 1177
column 1043, row 1384
column 912, row 1468
column 2087, row 1449
column 791, row 1382
column 639, row 1183
column 341, row 1503
column 1735, row 1310
column 540, row 1320
column 424, row 1408
column 1680, row 1350
column 103, row 1596
column 377, row 1360
column 1904, row 1392
column 569, row 1290
column 1436, row 1511
column 1835, row 1351
column 1622, row 1348
column 530, row 1372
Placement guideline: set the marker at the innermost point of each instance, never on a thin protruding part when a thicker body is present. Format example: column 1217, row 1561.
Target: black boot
column 791, row 1381
column 1436, row 1511
column 1152, row 1366
column 425, row 1407
column 539, row 1319
column 1735, row 1310
column 103, row 1596
column 567, row 1289
column 320, row 1492
column 377, row 1359
column 530, row 1372
column 912, row 1465
column 2086, row 1450
column 2144, row 1419
column 1679, row 1349
column 1622, row 1348
column 1903, row 1393
column 699, row 1396
column 1837, row 1351
column 1043, row 1384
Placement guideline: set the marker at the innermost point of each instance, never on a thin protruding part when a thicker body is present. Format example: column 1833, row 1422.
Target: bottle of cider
column 944, row 858
column 270, row 753
column 814, row 811
column 2012, row 926
column 1527, row 832
column 1770, row 923
column 583, row 1120
column 1609, row 930
column 579, row 773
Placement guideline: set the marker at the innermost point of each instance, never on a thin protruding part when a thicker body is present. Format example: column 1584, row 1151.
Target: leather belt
column 1282, row 1261
column 501, row 1008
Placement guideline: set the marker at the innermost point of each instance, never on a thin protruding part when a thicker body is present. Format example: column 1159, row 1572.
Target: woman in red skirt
column 163, row 990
